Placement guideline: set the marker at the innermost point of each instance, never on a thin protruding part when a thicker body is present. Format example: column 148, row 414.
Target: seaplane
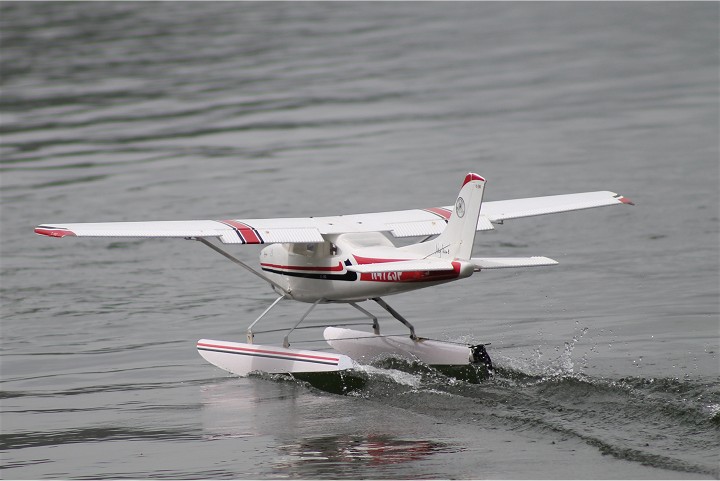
column 353, row 259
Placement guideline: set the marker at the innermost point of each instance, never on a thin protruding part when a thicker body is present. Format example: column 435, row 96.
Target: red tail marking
column 471, row 177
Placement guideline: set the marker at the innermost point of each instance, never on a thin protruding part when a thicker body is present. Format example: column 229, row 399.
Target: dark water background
column 148, row 111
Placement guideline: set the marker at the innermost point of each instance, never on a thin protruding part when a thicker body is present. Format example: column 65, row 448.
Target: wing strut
column 278, row 288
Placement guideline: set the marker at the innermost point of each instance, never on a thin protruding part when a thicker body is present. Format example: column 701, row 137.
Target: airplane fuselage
column 318, row 271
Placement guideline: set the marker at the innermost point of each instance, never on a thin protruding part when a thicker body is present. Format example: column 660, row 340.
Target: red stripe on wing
column 444, row 213
column 247, row 233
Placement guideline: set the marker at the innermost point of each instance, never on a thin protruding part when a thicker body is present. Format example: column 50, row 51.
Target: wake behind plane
column 352, row 259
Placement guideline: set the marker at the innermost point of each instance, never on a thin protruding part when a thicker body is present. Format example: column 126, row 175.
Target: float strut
column 375, row 324
column 397, row 316
column 286, row 341
column 249, row 332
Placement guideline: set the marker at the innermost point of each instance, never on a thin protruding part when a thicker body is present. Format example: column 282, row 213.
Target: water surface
column 608, row 363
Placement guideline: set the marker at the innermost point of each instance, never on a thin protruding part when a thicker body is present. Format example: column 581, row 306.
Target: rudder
column 456, row 241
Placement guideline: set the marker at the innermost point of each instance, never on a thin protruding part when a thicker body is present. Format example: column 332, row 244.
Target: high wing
column 405, row 223
column 251, row 231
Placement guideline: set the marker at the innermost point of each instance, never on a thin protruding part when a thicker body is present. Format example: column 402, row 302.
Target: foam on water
column 606, row 413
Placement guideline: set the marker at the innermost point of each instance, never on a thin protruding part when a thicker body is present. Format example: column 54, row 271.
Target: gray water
column 607, row 363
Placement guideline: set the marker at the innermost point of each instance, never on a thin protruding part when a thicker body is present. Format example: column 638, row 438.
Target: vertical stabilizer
column 456, row 241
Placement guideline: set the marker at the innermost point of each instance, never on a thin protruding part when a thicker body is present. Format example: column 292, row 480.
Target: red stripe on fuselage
column 337, row 268
column 247, row 233
column 412, row 276
column 374, row 260
column 264, row 351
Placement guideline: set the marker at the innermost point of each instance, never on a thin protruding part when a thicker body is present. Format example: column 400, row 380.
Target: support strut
column 397, row 316
column 375, row 324
column 249, row 332
column 278, row 288
column 286, row 341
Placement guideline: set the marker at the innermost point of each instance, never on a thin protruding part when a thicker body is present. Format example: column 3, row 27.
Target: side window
column 307, row 250
column 314, row 249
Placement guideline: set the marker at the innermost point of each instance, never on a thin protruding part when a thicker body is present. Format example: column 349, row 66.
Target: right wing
column 500, row 210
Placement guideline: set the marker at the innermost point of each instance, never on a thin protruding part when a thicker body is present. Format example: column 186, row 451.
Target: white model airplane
column 350, row 259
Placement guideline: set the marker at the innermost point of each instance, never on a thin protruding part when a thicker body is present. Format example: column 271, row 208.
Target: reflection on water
column 307, row 433
column 370, row 450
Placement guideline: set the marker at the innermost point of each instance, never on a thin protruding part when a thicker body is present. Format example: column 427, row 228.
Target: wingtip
column 622, row 199
column 53, row 231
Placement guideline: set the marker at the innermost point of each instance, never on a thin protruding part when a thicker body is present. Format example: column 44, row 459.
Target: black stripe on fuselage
column 348, row 276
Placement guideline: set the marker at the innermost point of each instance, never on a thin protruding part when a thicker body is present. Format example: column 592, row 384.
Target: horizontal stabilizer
column 508, row 262
column 404, row 266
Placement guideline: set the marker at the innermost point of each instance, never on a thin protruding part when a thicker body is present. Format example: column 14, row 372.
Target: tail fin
column 456, row 241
